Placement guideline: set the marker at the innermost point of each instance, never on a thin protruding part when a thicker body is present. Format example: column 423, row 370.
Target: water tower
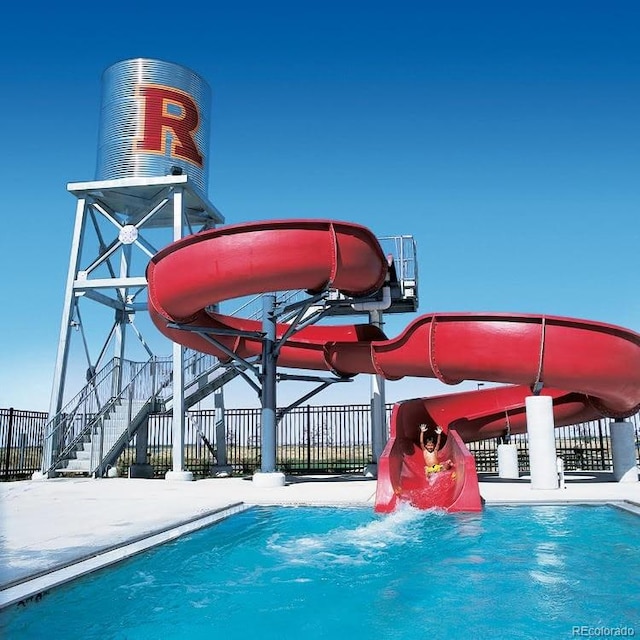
column 150, row 189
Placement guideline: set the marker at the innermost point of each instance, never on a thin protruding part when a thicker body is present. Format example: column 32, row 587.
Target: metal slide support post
column 378, row 408
column 268, row 464
column 141, row 468
column 177, row 472
column 142, row 442
column 222, row 467
column 268, row 476
column 221, row 427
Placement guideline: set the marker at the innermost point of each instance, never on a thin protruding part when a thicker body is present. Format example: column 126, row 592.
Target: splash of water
column 352, row 545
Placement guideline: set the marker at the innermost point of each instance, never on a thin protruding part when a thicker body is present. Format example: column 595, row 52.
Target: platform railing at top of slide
column 401, row 248
column 404, row 252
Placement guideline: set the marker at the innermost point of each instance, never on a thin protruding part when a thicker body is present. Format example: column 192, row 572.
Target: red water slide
column 591, row 369
column 467, row 416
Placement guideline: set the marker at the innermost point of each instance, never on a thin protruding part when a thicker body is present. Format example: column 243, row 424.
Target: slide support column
column 542, row 442
column 379, row 435
column 508, row 461
column 623, row 451
column 267, row 476
column 178, row 410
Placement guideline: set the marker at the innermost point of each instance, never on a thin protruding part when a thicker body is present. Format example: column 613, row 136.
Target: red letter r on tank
column 166, row 110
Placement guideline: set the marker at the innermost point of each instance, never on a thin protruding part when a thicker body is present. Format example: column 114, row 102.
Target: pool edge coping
column 34, row 586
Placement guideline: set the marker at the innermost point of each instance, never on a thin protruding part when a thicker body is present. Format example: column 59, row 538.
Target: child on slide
column 430, row 451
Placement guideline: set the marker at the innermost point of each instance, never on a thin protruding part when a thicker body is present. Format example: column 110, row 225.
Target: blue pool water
column 311, row 573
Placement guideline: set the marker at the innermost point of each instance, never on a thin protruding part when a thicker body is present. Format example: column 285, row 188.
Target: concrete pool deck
column 55, row 530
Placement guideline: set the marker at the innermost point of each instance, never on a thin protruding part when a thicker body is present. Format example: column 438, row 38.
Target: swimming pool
column 312, row 572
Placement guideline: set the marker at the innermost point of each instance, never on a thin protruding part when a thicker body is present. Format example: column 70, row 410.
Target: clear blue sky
column 503, row 135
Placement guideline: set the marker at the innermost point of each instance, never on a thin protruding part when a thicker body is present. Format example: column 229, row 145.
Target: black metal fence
column 311, row 439
column 21, row 434
column 585, row 446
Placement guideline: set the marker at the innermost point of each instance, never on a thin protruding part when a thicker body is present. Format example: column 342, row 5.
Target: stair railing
column 92, row 405
column 139, row 398
column 65, row 428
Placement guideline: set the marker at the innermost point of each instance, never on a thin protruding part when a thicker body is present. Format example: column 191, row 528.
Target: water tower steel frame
column 168, row 203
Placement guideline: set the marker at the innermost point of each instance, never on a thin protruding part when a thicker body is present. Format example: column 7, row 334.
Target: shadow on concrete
column 582, row 477
column 345, row 477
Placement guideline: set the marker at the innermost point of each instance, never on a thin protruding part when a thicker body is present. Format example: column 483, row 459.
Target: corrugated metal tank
column 154, row 121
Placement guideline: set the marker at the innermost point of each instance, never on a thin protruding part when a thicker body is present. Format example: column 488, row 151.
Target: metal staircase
column 89, row 433
column 92, row 452
column 92, row 430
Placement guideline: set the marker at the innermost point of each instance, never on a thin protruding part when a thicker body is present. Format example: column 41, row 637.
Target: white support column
column 508, row 461
column 542, row 442
column 178, row 472
column 623, row 450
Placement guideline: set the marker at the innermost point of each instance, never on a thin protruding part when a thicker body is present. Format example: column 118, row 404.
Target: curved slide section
column 467, row 416
column 595, row 367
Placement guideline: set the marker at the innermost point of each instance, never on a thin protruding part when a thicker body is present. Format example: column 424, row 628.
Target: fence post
column 308, row 437
column 100, row 469
column 22, row 444
column 7, row 458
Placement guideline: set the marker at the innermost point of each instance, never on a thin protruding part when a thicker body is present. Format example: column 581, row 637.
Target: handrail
column 144, row 387
column 65, row 419
column 95, row 400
